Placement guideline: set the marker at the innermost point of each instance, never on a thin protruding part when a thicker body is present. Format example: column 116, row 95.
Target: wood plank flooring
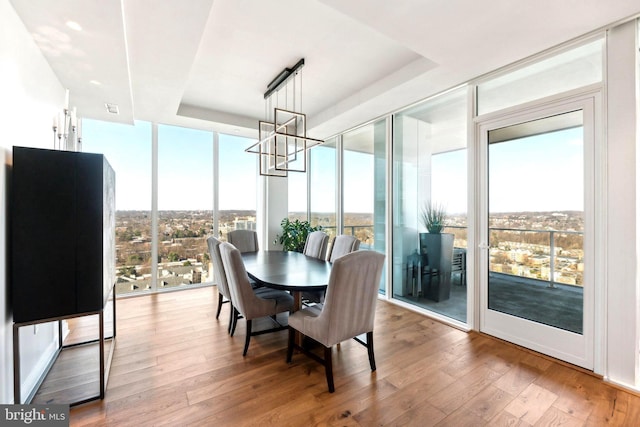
column 75, row 375
column 175, row 365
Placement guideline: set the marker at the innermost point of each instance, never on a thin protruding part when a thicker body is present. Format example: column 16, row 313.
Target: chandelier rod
column 282, row 78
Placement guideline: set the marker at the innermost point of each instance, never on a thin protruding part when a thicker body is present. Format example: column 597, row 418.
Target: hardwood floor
column 175, row 364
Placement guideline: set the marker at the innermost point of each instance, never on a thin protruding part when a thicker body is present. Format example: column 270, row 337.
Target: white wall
column 272, row 208
column 30, row 96
column 621, row 358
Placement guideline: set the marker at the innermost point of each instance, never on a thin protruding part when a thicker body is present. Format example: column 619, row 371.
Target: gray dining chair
column 224, row 296
column 342, row 245
column 349, row 309
column 316, row 244
column 251, row 305
column 244, row 240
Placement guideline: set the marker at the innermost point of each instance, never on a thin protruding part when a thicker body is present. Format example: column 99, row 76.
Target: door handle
column 483, row 246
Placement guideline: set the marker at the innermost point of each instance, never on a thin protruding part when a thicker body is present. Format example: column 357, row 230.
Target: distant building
column 519, row 255
column 245, row 224
column 196, row 276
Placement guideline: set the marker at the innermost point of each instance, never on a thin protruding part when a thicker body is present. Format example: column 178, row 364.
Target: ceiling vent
column 112, row 108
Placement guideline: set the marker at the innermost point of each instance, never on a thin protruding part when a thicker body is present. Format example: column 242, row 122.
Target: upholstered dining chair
column 221, row 278
column 269, row 302
column 349, row 309
column 341, row 245
column 316, row 244
column 244, row 240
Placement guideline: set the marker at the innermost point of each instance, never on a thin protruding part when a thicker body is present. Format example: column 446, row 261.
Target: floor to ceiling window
column 185, row 205
column 297, row 191
column 364, row 186
column 186, row 197
column 430, row 187
column 237, row 185
column 322, row 195
column 128, row 150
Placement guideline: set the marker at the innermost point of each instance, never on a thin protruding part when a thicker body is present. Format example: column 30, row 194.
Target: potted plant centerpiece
column 294, row 234
column 436, row 249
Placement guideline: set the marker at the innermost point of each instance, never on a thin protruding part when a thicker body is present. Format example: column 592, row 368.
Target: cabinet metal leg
column 17, row 398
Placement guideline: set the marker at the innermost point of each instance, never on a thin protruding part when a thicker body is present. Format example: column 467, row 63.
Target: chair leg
column 328, row 368
column 248, row 338
column 234, row 322
column 372, row 359
column 292, row 337
column 232, row 315
column 219, row 305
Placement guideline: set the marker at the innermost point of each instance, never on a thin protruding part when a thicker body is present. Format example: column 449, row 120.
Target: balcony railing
column 527, row 251
column 364, row 233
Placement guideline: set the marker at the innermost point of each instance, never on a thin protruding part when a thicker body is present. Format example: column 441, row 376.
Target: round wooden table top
column 289, row 271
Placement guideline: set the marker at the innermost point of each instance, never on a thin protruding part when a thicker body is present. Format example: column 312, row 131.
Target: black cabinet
column 62, row 229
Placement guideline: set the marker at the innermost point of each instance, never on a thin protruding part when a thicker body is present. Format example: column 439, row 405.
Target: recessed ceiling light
column 95, row 82
column 73, row 25
column 112, row 108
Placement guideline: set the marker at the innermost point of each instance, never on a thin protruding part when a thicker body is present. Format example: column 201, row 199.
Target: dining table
column 288, row 271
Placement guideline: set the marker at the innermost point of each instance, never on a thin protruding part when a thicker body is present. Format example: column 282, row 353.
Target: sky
column 358, row 178
column 185, row 166
column 539, row 173
column 185, row 170
column 128, row 150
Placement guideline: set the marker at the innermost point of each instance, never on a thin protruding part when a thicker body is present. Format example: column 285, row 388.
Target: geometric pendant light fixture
column 282, row 137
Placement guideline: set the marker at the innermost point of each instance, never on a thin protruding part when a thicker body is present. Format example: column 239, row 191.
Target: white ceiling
column 206, row 63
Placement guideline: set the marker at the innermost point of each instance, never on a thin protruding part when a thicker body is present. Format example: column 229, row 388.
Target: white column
column 273, row 207
column 216, row 187
column 154, row 206
column 621, row 358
